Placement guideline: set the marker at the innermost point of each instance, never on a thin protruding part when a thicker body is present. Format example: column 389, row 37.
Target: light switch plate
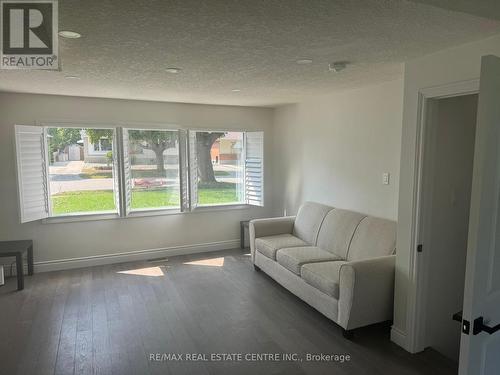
column 386, row 178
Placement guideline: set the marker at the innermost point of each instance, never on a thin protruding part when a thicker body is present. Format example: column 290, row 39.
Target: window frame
column 185, row 206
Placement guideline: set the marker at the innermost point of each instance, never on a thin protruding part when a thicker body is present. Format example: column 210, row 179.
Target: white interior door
column 480, row 344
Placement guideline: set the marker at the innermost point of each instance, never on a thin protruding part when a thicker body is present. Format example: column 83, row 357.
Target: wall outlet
column 386, row 178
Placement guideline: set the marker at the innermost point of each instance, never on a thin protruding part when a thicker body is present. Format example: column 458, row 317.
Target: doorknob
column 479, row 326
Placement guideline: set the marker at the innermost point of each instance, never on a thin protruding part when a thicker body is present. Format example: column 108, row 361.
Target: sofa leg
column 256, row 268
column 348, row 333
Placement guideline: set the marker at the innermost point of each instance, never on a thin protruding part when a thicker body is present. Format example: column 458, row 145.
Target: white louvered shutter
column 254, row 168
column 116, row 168
column 193, row 170
column 183, row 169
column 127, row 173
column 31, row 173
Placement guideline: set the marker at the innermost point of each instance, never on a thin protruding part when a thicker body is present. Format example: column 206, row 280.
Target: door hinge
column 419, row 248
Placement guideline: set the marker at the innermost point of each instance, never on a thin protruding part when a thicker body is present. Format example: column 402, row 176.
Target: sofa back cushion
column 373, row 238
column 308, row 221
column 336, row 232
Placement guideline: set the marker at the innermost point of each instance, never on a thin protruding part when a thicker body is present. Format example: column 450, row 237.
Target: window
column 81, row 171
column 152, row 167
column 80, row 181
column 220, row 168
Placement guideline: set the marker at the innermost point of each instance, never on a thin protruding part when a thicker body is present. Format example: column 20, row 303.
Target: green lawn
column 155, row 198
column 82, row 201
column 102, row 200
column 87, row 176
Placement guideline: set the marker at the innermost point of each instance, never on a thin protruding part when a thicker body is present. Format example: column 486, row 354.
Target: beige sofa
column 338, row 261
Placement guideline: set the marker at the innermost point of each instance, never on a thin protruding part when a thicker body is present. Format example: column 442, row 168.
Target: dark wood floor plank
column 107, row 320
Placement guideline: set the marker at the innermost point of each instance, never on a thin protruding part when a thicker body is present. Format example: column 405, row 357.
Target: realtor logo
column 29, row 34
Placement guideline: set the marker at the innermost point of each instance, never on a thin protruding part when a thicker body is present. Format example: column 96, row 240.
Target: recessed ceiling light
column 69, row 34
column 173, row 70
column 71, row 77
column 235, row 90
column 337, row 66
column 304, row 61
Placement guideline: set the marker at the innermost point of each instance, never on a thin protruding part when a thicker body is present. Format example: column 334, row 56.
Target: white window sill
column 141, row 213
column 221, row 207
column 153, row 212
column 80, row 217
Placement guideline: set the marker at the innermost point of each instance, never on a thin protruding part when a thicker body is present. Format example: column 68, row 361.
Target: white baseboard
column 399, row 338
column 97, row 260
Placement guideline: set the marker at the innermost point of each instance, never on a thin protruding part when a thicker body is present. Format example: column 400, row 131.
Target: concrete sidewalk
column 65, row 168
column 57, row 187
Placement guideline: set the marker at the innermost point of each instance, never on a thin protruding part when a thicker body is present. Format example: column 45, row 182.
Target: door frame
column 419, row 262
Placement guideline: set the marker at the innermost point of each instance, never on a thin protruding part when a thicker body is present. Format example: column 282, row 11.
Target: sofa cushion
column 337, row 230
column 324, row 276
column 293, row 258
column 308, row 221
column 269, row 245
column 373, row 238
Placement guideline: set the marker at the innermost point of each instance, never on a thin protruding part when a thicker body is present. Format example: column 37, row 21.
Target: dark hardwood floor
column 103, row 321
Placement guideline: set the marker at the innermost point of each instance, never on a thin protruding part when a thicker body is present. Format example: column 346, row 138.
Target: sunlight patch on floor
column 211, row 262
column 149, row 271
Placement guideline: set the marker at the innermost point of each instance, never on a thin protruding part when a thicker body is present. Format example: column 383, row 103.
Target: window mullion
column 46, row 160
column 122, row 192
column 184, row 170
column 193, row 170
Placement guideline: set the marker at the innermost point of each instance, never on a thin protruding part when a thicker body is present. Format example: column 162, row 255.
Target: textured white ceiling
column 482, row 8
column 248, row 45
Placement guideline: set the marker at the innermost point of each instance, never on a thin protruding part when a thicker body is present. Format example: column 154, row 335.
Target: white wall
column 94, row 238
column 333, row 149
column 445, row 67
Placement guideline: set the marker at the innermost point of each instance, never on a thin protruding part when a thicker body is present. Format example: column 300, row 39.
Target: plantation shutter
column 193, row 170
column 127, row 173
column 183, row 169
column 116, row 168
column 254, row 168
column 31, row 173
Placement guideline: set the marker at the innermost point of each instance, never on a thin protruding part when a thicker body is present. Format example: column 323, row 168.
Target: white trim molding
column 399, row 337
column 130, row 256
column 460, row 88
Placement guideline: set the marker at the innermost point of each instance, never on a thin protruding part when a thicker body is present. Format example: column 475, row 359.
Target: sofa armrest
column 366, row 292
column 269, row 227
